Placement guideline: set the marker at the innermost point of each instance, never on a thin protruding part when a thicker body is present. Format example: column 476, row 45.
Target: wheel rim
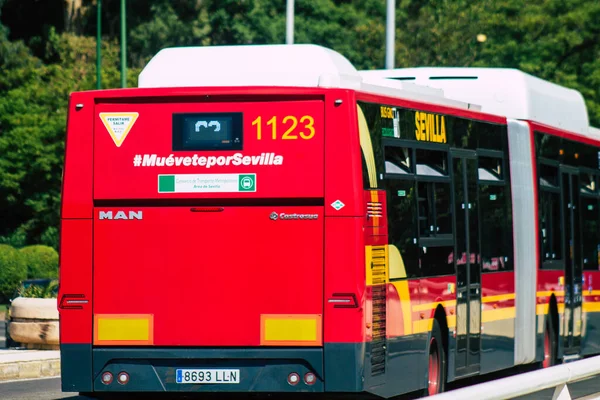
column 434, row 368
column 547, row 355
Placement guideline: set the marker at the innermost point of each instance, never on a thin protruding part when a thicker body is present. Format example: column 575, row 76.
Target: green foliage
column 41, row 261
column 53, row 53
column 40, row 292
column 12, row 271
column 32, row 125
column 170, row 24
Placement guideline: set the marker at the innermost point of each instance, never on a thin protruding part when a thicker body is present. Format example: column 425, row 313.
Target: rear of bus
column 193, row 241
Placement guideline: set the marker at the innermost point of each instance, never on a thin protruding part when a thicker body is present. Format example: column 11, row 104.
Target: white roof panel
column 501, row 91
column 298, row 65
column 249, row 65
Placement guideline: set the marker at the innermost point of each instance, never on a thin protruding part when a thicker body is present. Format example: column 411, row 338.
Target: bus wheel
column 549, row 345
column 436, row 370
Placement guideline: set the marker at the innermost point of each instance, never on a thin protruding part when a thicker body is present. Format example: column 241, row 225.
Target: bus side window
column 436, row 236
column 402, row 223
column 496, row 216
column 402, row 207
column 589, row 218
column 550, row 213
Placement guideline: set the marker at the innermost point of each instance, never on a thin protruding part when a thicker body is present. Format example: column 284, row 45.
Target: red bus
column 557, row 213
column 263, row 219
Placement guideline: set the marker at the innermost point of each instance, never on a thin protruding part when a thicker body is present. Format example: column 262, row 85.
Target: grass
column 3, row 308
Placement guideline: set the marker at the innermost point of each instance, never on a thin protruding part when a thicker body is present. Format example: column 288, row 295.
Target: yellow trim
column 592, row 293
column 397, row 268
column 549, row 293
column 432, row 306
column 367, row 146
column 423, row 325
column 561, row 308
column 451, row 319
column 291, row 329
column 499, row 297
column 123, row 328
column 404, row 294
column 591, row 307
column 368, row 261
column 541, row 309
column 498, row 314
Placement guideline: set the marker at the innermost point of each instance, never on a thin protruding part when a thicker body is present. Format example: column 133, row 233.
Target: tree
column 32, row 122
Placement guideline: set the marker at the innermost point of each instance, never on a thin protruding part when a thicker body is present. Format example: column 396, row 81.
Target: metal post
column 123, row 47
column 99, row 45
column 289, row 22
column 390, row 34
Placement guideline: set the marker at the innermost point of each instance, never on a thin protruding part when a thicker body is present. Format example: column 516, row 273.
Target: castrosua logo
column 283, row 216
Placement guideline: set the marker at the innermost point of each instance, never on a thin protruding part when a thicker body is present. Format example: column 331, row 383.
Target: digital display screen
column 207, row 131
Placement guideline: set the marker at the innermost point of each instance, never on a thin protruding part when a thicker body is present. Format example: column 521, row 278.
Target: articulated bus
column 558, row 209
column 270, row 219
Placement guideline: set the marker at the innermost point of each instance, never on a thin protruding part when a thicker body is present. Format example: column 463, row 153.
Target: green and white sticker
column 206, row 183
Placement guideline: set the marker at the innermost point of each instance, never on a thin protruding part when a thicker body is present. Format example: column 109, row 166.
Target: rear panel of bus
column 207, row 233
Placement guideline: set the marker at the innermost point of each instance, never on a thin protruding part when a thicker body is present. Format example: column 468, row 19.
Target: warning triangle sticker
column 118, row 124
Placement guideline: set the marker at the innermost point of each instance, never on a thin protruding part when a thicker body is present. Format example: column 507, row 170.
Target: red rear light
column 107, row 378
column 310, row 378
column 123, row 378
column 293, row 379
column 72, row 302
column 344, row 300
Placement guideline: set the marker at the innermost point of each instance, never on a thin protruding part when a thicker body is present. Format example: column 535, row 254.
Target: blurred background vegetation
column 48, row 49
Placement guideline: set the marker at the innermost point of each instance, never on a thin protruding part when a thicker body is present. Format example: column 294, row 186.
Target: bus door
column 468, row 273
column 573, row 267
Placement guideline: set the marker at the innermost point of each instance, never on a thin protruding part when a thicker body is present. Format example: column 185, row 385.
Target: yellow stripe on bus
column 291, row 329
column 548, row 293
column 433, row 306
column 498, row 297
column 366, row 147
column 404, row 295
column 423, row 325
column 591, row 306
column 541, row 309
column 498, row 314
column 123, row 328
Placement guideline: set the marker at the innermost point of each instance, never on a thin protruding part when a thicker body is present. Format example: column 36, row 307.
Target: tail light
column 107, row 378
column 310, row 378
column 72, row 302
column 123, row 378
column 293, row 379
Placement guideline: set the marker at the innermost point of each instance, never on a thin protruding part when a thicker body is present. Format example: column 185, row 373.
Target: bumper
column 260, row 370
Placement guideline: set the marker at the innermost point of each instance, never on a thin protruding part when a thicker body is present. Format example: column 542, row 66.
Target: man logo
column 273, row 216
column 120, row 215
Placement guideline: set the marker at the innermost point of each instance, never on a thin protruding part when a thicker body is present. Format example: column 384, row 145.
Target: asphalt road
column 49, row 389
column 35, row 389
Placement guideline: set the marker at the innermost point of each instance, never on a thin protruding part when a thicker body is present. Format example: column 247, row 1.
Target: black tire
column 435, row 355
column 549, row 345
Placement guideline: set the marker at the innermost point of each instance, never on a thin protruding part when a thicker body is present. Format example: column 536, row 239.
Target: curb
column 29, row 365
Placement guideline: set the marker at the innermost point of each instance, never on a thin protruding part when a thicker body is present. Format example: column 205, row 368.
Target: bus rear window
column 204, row 131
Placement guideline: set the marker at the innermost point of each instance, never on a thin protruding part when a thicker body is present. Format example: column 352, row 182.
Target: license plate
column 208, row 376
